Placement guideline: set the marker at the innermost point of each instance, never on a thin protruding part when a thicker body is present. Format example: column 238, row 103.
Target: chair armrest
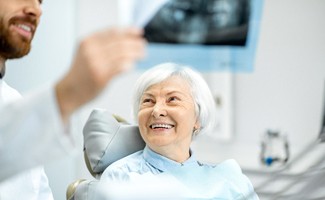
column 72, row 189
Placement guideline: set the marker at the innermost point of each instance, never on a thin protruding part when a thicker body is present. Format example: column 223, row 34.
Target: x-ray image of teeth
column 211, row 22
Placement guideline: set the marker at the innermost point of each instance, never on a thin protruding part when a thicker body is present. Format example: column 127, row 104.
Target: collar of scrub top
column 164, row 164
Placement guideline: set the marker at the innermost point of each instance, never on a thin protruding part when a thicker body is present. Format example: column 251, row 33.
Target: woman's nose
column 33, row 8
column 159, row 110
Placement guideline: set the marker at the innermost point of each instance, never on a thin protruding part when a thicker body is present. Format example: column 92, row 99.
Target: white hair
column 204, row 103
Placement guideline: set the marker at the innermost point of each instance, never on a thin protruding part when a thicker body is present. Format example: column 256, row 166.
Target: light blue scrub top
column 201, row 181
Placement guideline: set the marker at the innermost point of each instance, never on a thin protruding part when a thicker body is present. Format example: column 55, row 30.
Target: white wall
column 284, row 91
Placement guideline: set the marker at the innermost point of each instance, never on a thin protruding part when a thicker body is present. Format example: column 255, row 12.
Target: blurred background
column 283, row 91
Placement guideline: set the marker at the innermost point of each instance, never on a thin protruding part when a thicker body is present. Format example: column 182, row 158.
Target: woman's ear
column 197, row 125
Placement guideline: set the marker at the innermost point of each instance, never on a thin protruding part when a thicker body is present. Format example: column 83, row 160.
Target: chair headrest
column 108, row 138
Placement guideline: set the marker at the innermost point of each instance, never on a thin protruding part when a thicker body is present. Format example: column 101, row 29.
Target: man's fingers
column 118, row 33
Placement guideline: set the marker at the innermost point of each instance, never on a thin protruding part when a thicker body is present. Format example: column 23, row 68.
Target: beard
column 11, row 45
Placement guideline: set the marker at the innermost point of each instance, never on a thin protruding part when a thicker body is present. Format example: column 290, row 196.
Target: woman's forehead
column 173, row 83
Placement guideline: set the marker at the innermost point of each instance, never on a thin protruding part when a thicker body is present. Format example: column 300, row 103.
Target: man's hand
column 99, row 58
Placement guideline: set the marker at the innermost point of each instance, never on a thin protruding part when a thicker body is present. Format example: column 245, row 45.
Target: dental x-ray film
column 215, row 35
column 211, row 22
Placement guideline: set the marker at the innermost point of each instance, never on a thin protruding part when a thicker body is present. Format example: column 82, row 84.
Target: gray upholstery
column 107, row 138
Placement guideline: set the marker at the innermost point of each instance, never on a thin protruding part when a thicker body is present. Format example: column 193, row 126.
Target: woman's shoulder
column 124, row 165
column 230, row 174
column 131, row 159
column 229, row 165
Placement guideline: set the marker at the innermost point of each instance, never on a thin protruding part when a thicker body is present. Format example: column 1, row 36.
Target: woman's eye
column 147, row 101
column 172, row 99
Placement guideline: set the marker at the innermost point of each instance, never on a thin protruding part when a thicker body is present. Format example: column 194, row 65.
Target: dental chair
column 107, row 138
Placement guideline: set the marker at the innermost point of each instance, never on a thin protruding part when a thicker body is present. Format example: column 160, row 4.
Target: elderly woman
column 173, row 104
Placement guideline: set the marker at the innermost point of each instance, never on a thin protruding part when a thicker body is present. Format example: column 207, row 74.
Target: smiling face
column 167, row 118
column 18, row 23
